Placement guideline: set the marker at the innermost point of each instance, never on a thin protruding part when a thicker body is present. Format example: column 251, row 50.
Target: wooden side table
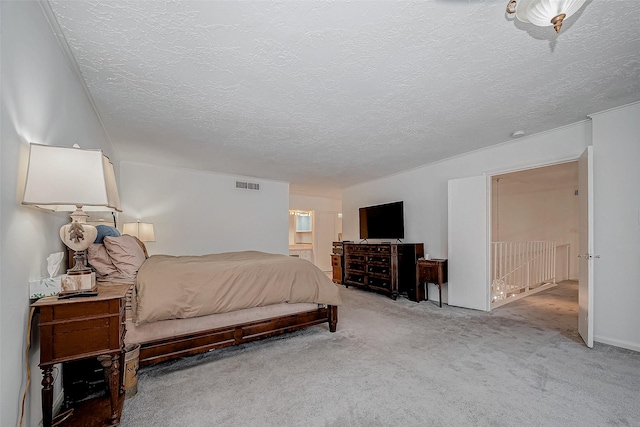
column 430, row 271
column 80, row 328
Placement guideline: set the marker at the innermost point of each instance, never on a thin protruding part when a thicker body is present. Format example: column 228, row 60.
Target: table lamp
column 141, row 230
column 64, row 179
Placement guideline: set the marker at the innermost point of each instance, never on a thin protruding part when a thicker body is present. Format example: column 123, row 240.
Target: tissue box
column 41, row 288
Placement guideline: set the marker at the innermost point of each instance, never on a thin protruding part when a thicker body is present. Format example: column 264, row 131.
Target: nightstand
column 430, row 271
column 80, row 328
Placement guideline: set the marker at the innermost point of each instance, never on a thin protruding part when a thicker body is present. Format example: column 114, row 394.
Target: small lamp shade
column 141, row 230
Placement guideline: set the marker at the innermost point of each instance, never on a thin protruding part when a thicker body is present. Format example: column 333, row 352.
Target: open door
column 468, row 244
column 585, row 246
column 324, row 236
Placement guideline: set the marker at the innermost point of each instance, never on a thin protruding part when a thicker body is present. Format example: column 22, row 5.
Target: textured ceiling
column 326, row 94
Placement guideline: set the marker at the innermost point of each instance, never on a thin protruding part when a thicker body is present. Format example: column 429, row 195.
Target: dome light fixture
column 544, row 13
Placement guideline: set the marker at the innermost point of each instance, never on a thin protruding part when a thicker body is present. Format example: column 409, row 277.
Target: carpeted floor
column 405, row 364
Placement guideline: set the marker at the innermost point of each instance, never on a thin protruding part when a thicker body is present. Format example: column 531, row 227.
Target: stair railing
column 519, row 267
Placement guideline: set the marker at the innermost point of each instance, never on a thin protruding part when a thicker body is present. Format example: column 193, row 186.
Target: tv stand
column 387, row 268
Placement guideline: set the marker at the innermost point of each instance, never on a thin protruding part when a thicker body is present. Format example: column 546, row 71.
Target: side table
column 430, row 271
column 80, row 328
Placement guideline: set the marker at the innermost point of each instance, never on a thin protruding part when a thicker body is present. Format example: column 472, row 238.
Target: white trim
column 489, row 231
column 617, row 343
column 612, row 109
column 529, row 166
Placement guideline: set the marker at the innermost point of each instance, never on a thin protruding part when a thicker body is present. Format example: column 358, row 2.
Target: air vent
column 241, row 185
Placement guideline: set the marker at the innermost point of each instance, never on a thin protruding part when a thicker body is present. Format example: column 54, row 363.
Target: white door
column 468, row 244
column 585, row 246
column 325, row 235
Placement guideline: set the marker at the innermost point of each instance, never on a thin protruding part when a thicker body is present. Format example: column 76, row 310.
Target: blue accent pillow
column 104, row 231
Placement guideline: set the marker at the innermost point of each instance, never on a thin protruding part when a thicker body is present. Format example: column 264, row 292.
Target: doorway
column 534, row 231
column 311, row 235
column 469, row 241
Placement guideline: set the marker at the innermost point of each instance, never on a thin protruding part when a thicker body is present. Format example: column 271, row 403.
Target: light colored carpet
column 405, row 364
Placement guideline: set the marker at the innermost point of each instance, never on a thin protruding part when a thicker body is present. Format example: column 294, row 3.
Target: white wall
column 196, row 212
column 424, row 190
column 42, row 102
column 616, row 160
column 546, row 215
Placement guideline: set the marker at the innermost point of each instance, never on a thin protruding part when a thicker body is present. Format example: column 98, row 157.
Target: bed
column 181, row 306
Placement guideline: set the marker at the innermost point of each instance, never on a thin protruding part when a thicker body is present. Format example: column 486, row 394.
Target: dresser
column 81, row 328
column 387, row 268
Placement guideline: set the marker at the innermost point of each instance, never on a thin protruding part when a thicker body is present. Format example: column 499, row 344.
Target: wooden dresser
column 80, row 328
column 388, row 268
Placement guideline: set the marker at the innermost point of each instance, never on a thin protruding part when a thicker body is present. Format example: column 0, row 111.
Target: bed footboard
column 157, row 351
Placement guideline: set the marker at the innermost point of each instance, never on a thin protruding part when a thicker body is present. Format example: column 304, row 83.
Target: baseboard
column 57, row 404
column 618, row 343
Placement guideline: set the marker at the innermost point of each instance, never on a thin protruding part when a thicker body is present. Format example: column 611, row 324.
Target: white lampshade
column 543, row 13
column 141, row 230
column 61, row 178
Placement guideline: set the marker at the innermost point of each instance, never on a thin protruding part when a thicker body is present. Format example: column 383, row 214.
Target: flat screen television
column 382, row 221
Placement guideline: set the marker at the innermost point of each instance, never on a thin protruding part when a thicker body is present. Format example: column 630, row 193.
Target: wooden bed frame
column 161, row 350
column 165, row 349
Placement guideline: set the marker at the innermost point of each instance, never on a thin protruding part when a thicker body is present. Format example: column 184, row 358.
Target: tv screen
column 382, row 221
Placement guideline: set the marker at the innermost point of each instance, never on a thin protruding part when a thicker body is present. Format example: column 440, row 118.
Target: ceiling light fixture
column 544, row 13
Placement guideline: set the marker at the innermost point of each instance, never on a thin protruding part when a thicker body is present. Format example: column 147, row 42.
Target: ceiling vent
column 241, row 185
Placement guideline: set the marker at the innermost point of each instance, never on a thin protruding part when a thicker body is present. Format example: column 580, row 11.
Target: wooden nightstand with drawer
column 80, row 328
column 430, row 271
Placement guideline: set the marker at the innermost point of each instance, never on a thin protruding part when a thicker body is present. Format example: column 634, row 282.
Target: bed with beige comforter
column 185, row 305
column 180, row 287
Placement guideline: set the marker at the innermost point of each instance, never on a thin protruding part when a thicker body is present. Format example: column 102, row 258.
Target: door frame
column 490, row 176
